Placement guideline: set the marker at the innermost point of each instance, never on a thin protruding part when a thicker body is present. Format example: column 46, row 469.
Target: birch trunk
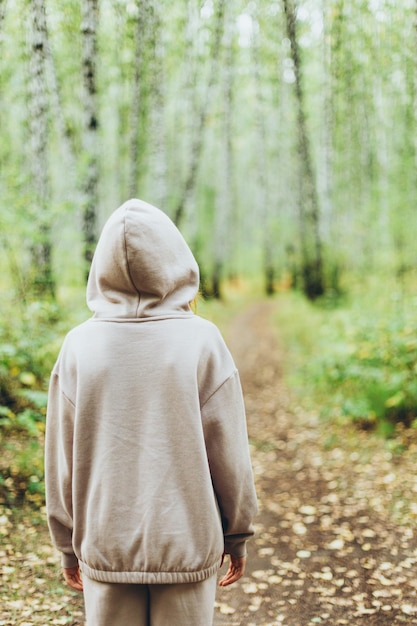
column 328, row 124
column 68, row 148
column 43, row 280
column 198, row 138
column 187, row 107
column 224, row 205
column 262, row 173
column 157, row 139
column 89, row 27
column 309, row 216
column 136, row 110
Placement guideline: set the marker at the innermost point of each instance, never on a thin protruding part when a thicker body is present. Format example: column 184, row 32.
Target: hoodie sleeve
column 58, row 470
column 227, row 447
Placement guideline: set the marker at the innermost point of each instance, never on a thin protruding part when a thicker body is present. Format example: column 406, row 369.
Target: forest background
column 280, row 136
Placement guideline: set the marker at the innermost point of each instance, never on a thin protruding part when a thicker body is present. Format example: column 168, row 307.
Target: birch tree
column 328, row 121
column 136, row 142
column 309, row 216
column 157, row 134
column 43, row 280
column 262, row 169
column 224, row 205
column 65, row 139
column 89, row 25
column 198, row 135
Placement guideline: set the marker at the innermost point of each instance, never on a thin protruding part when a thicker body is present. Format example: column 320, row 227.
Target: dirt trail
column 325, row 551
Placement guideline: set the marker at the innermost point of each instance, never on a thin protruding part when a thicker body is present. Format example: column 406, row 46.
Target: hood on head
column 142, row 266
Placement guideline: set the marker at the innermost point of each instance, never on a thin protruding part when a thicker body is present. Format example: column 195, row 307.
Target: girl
column 148, row 474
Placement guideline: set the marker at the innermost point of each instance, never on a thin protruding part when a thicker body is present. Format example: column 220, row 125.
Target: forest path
column 325, row 550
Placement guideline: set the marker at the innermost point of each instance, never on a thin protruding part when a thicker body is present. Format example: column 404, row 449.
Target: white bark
column 38, row 101
column 134, row 146
column 224, row 206
column 198, row 135
column 263, row 188
column 157, row 148
column 89, row 28
column 38, row 126
column 309, row 214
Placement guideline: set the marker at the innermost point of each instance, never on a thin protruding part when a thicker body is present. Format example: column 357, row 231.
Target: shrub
column 28, row 348
column 356, row 361
column 370, row 370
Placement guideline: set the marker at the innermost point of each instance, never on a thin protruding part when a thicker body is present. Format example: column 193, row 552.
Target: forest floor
column 329, row 546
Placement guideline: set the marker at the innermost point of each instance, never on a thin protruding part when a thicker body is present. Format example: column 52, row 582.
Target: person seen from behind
column 148, row 475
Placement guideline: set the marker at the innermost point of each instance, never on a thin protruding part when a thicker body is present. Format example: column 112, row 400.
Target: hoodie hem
column 150, row 578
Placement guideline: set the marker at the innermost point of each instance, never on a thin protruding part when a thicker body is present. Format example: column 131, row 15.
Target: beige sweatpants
column 117, row 604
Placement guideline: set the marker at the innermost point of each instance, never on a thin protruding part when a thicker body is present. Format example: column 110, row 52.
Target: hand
column 72, row 576
column 235, row 571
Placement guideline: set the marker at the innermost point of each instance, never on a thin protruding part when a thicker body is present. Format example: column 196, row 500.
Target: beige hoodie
column 148, row 474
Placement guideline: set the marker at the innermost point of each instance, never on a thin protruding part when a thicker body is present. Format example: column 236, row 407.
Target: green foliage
column 21, row 475
column 357, row 362
column 371, row 370
column 28, row 348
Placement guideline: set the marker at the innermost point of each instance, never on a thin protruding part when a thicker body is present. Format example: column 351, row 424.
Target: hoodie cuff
column 235, row 548
column 68, row 560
